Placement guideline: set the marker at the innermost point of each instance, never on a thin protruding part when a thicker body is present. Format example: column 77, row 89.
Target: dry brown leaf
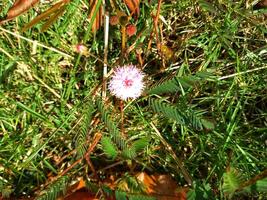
column 263, row 3
column 78, row 191
column 80, row 195
column 77, row 186
column 51, row 13
column 133, row 5
column 19, row 7
column 163, row 187
column 99, row 16
column 53, row 18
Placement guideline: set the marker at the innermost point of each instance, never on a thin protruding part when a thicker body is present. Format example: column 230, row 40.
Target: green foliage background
column 204, row 110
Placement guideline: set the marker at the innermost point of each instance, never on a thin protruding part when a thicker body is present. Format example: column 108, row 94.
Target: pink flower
column 81, row 49
column 126, row 82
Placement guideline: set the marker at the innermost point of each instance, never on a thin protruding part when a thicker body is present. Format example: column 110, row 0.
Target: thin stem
column 253, row 180
column 180, row 164
column 155, row 25
column 240, row 73
column 36, row 43
column 86, row 156
column 122, row 117
column 105, row 68
column 123, row 42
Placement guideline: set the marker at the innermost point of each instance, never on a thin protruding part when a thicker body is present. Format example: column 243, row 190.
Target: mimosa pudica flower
column 127, row 82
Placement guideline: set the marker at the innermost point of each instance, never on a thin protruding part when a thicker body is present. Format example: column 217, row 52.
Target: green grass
column 49, row 98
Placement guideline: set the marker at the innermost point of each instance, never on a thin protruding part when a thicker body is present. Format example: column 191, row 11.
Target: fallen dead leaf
column 263, row 3
column 80, row 195
column 51, row 14
column 133, row 5
column 163, row 187
column 98, row 21
column 19, row 7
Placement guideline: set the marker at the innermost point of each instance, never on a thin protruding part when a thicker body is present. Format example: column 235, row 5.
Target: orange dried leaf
column 53, row 18
column 80, row 185
column 81, row 195
column 19, row 7
column 133, row 5
column 98, row 21
column 261, row 4
column 45, row 15
column 163, row 187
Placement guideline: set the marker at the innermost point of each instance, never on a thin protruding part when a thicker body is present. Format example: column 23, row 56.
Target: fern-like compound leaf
column 109, row 148
column 140, row 144
column 231, row 182
column 112, row 127
column 81, row 137
column 121, row 195
column 55, row 189
column 184, row 116
column 129, row 153
column 177, row 84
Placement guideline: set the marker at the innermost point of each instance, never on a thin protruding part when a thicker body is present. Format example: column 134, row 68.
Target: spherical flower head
column 131, row 30
column 81, row 49
column 126, row 82
column 114, row 20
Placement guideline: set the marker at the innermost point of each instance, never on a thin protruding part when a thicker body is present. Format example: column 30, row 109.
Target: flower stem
column 123, row 42
column 122, row 117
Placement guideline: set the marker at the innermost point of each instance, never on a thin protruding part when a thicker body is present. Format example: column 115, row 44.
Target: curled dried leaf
column 98, row 20
column 162, row 186
column 133, row 5
column 19, row 7
column 52, row 13
column 261, row 4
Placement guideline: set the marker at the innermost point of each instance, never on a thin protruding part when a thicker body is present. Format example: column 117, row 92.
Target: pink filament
column 128, row 82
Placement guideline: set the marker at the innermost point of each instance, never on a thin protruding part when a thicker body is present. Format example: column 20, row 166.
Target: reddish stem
column 122, row 117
